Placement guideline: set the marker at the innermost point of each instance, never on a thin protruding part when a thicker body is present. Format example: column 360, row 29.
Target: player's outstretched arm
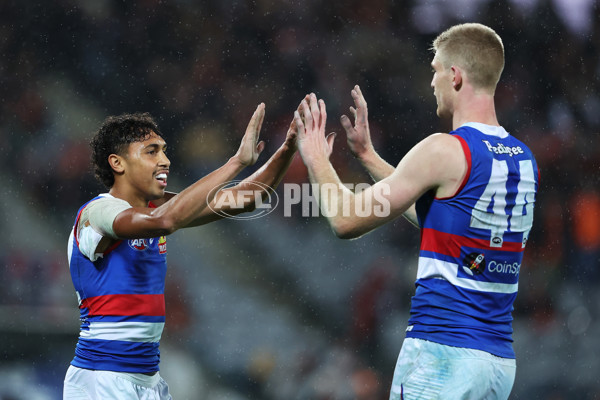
column 266, row 179
column 181, row 209
column 361, row 146
column 436, row 163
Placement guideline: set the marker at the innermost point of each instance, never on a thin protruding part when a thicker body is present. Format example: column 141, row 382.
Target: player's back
column 472, row 245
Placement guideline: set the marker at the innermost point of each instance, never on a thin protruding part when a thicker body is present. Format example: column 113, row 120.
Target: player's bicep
column 436, row 163
column 102, row 214
column 141, row 222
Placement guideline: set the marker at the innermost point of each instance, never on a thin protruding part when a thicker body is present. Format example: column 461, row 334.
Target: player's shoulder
column 440, row 154
column 441, row 144
column 106, row 199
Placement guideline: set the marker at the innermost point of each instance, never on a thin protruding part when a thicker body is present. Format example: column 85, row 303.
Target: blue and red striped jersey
column 472, row 245
column 121, row 303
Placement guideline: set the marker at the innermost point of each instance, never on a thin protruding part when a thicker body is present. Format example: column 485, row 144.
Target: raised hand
column 250, row 147
column 358, row 136
column 291, row 138
column 310, row 123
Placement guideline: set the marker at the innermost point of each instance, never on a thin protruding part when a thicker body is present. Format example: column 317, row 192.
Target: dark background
column 277, row 307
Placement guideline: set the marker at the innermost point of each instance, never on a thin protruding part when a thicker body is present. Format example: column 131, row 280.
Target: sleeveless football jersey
column 472, row 245
column 121, row 303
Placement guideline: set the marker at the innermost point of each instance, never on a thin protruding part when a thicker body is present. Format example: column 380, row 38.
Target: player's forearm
column 334, row 199
column 268, row 176
column 273, row 171
column 188, row 205
column 376, row 166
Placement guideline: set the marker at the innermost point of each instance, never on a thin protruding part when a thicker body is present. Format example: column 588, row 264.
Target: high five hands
column 310, row 121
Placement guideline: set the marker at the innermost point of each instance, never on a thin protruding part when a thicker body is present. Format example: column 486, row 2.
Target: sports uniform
column 470, row 257
column 122, row 307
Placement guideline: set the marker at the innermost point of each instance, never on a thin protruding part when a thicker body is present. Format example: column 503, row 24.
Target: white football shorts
column 427, row 370
column 85, row 384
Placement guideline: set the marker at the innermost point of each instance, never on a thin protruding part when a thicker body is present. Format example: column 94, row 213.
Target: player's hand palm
column 250, row 148
column 310, row 121
column 358, row 136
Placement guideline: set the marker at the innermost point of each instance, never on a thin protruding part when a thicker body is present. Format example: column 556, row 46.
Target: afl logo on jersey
column 138, row 244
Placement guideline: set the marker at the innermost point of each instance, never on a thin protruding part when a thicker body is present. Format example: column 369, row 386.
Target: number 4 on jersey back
column 492, row 213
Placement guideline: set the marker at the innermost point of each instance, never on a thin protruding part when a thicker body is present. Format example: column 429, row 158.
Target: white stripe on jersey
column 124, row 331
column 432, row 268
column 488, row 129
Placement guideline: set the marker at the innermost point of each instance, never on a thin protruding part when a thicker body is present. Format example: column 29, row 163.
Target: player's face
column 147, row 168
column 442, row 87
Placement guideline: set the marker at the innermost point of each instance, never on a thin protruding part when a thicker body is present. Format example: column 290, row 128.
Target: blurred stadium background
column 277, row 308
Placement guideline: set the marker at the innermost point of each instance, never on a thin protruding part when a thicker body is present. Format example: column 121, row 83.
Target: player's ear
column 116, row 162
column 456, row 77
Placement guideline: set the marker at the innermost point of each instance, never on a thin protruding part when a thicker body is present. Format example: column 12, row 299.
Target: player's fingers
column 256, row 119
column 358, row 91
column 323, row 111
column 307, row 99
column 292, row 130
column 261, row 118
column 314, row 108
column 362, row 101
column 299, row 124
column 353, row 111
column 346, row 124
column 306, row 113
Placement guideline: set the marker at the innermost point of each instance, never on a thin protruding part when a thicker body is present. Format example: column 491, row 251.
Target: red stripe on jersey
column 467, row 153
column 449, row 244
column 126, row 304
column 75, row 226
column 112, row 247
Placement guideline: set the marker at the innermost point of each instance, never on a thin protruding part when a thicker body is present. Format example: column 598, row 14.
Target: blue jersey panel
column 125, row 356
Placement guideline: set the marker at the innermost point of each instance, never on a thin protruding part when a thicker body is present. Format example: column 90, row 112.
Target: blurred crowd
column 200, row 68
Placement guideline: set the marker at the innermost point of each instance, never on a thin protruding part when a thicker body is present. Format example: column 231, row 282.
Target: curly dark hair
column 113, row 137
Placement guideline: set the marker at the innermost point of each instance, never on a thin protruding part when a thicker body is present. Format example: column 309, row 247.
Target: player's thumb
column 330, row 139
column 260, row 147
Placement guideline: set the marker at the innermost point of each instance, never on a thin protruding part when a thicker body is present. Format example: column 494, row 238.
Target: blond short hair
column 475, row 48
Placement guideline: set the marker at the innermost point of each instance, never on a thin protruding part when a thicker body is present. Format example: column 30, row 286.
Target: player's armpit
column 104, row 244
column 411, row 216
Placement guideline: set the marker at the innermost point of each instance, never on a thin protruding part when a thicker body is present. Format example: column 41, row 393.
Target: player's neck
column 128, row 195
column 476, row 107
